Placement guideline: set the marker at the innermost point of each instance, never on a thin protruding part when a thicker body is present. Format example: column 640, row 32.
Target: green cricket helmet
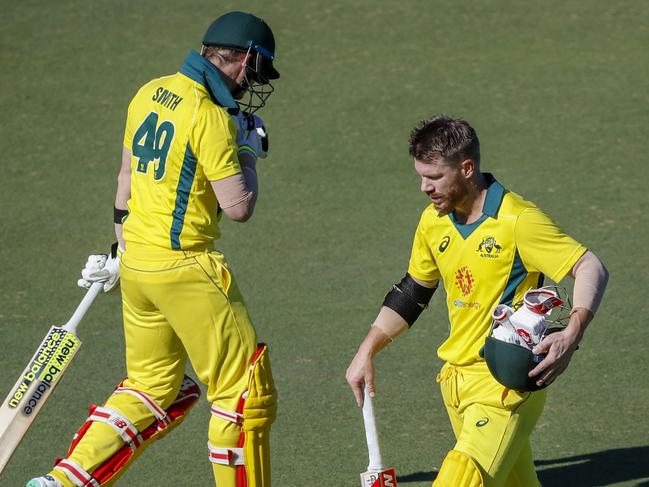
column 248, row 33
column 510, row 363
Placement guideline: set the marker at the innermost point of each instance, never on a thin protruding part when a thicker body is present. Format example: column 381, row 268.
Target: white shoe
column 47, row 481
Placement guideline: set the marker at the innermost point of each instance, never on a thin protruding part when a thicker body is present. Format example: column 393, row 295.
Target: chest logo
column 489, row 248
column 445, row 241
column 464, row 280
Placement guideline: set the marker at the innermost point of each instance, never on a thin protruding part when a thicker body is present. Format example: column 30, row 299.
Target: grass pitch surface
column 557, row 93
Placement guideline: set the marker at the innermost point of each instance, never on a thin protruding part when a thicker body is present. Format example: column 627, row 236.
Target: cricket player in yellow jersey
column 189, row 157
column 488, row 246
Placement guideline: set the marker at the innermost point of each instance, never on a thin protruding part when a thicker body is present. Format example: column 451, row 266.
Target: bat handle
column 83, row 307
column 371, row 435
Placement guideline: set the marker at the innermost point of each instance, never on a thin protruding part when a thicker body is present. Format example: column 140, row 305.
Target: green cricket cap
column 243, row 31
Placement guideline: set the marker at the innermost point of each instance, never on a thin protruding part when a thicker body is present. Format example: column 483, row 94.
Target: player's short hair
column 444, row 139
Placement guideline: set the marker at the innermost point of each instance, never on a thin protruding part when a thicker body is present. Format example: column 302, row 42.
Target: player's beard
column 452, row 198
column 240, row 90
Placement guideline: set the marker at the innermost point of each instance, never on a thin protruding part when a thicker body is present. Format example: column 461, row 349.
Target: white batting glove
column 102, row 268
column 505, row 331
column 529, row 319
column 251, row 135
column 507, row 335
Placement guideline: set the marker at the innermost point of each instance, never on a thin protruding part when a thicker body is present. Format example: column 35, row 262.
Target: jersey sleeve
column 128, row 131
column 422, row 264
column 544, row 247
column 213, row 142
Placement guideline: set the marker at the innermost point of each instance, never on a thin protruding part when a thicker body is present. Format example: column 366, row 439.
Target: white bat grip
column 83, row 307
column 371, row 435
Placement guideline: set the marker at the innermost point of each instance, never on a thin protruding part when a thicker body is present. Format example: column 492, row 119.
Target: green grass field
column 557, row 91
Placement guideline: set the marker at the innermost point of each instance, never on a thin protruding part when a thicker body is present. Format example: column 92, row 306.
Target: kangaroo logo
column 489, row 248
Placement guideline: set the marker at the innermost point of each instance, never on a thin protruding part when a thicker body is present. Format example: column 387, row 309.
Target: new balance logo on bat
column 52, row 357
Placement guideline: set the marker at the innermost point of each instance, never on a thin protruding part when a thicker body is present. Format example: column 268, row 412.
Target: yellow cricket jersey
column 181, row 137
column 506, row 252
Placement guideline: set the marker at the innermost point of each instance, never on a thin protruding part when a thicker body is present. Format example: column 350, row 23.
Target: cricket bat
column 377, row 475
column 40, row 377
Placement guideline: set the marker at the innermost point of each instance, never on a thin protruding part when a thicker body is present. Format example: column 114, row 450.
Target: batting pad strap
column 119, row 423
column 77, row 475
column 111, row 468
column 158, row 413
column 231, row 416
column 225, row 456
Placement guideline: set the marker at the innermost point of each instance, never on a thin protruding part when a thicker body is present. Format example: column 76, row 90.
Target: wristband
column 245, row 148
column 119, row 215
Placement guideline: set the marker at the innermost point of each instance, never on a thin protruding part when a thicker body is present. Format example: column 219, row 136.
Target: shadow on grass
column 596, row 469
column 417, row 477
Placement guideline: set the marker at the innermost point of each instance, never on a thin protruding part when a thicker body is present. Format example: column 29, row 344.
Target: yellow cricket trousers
column 177, row 304
column 491, row 423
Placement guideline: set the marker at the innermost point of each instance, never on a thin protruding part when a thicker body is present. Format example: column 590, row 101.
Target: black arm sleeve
column 408, row 299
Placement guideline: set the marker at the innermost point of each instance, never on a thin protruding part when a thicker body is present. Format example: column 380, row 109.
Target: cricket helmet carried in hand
column 511, row 359
column 248, row 33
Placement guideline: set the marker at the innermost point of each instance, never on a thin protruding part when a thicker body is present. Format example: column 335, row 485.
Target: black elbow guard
column 408, row 299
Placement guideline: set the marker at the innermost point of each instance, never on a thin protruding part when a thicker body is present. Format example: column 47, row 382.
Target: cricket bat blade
column 37, row 381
